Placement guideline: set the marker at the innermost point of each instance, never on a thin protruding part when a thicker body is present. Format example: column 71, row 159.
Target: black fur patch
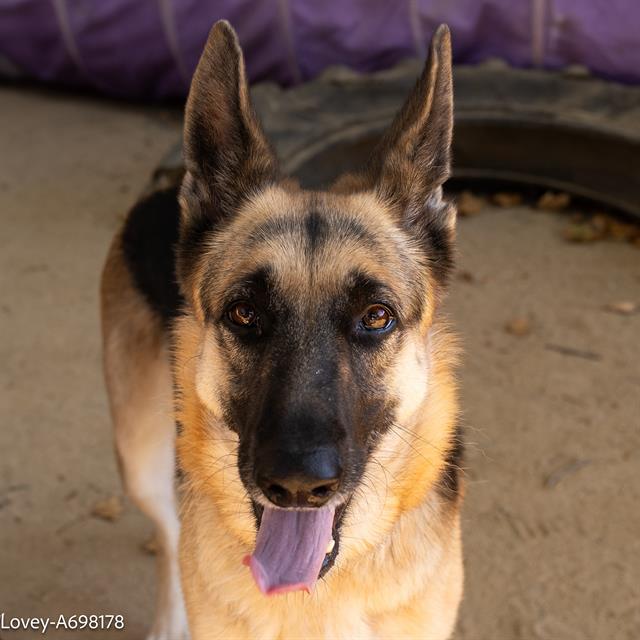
column 149, row 239
column 316, row 228
column 450, row 480
column 438, row 246
column 272, row 229
column 442, row 249
column 353, row 228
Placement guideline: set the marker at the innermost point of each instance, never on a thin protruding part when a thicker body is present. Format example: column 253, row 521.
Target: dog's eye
column 242, row 314
column 377, row 317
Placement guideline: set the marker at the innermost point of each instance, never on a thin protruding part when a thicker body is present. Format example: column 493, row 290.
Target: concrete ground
column 553, row 417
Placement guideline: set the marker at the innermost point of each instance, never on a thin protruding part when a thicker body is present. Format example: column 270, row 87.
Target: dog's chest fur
column 407, row 588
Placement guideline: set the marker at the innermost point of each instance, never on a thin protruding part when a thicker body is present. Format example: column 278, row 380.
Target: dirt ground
column 553, row 417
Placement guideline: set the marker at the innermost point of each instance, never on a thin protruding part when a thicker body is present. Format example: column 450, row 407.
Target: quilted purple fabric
column 149, row 48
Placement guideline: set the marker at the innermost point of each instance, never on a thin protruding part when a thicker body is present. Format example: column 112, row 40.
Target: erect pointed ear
column 227, row 156
column 413, row 159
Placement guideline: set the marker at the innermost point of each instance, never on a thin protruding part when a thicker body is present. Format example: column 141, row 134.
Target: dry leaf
column 581, row 232
column 469, row 204
column 109, row 509
column 621, row 231
column 600, row 222
column 550, row 201
column 624, row 308
column 151, row 546
column 612, row 228
column 600, row 227
column 506, row 199
column 518, row 327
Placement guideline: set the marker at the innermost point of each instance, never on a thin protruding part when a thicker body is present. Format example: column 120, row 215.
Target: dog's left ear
column 413, row 159
column 227, row 156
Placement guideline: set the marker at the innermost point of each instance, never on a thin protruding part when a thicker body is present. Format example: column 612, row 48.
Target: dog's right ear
column 227, row 156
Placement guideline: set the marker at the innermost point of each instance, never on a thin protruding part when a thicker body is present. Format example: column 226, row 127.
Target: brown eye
column 377, row 317
column 242, row 314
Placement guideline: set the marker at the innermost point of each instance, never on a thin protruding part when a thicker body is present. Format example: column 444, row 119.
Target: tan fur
column 139, row 383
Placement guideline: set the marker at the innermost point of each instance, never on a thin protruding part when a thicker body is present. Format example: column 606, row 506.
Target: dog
column 290, row 346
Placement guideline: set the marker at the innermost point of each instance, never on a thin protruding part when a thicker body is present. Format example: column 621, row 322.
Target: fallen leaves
column 552, row 201
column 109, row 509
column 469, row 204
column 506, row 199
column 581, row 232
column 622, row 231
column 600, row 227
column 151, row 546
column 623, row 308
column 582, row 227
column 518, row 326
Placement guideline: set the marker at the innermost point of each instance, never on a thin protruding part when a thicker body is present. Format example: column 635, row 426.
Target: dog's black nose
column 308, row 480
column 298, row 491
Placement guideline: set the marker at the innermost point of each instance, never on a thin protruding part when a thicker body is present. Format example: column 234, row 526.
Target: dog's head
column 314, row 307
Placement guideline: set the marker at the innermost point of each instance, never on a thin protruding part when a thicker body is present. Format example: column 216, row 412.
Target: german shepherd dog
column 296, row 339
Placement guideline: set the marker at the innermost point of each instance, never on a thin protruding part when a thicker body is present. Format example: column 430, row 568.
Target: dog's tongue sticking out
column 290, row 549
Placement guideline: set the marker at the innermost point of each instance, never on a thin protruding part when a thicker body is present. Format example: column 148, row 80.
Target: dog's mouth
column 294, row 547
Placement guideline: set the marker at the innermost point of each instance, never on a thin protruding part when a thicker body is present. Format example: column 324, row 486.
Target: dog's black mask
column 303, row 396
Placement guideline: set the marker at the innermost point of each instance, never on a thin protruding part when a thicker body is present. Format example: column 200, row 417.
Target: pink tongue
column 290, row 549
